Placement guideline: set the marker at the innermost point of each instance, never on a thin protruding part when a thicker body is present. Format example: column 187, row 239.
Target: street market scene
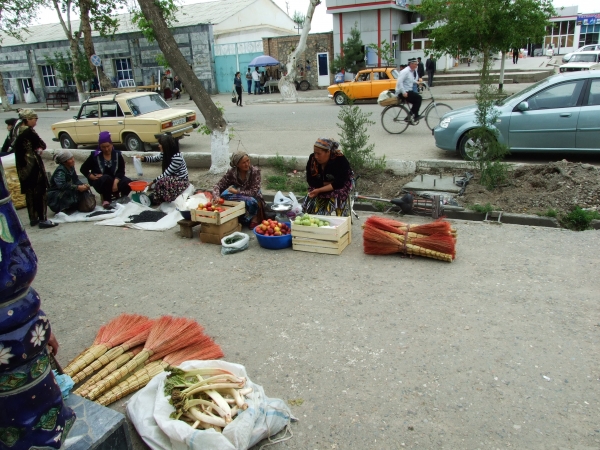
column 326, row 230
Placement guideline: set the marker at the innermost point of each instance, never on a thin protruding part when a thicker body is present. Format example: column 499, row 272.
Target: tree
column 286, row 83
column 154, row 17
column 299, row 20
column 14, row 19
column 352, row 57
column 385, row 51
column 497, row 25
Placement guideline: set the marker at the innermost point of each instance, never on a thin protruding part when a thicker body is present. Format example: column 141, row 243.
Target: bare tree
column 286, row 84
column 212, row 115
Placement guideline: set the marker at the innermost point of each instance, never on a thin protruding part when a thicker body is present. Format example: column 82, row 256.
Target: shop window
column 124, row 69
column 48, row 76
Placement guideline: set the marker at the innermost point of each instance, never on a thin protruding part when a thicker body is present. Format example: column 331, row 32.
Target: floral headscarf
column 329, row 145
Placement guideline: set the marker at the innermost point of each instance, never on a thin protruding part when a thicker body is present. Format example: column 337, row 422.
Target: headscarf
column 63, row 156
column 103, row 138
column 28, row 114
column 10, row 121
column 329, row 145
column 236, row 158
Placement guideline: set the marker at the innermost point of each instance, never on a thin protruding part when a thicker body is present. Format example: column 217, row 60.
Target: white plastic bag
column 30, row 97
column 296, row 208
column 149, row 412
column 234, row 247
column 137, row 163
column 281, row 199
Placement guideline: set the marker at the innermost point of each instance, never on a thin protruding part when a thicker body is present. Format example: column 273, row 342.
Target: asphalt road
column 291, row 129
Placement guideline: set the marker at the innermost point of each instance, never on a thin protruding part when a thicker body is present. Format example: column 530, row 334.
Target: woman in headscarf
column 65, row 186
column 28, row 148
column 105, row 171
column 174, row 179
column 165, row 85
column 241, row 183
column 329, row 178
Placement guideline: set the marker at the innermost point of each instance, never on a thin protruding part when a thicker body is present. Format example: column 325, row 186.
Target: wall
column 280, row 47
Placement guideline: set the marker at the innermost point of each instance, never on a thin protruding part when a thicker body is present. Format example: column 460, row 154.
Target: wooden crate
column 232, row 210
column 341, row 224
column 210, row 238
column 321, row 246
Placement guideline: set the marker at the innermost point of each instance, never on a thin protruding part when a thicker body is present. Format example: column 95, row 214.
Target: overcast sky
column 323, row 21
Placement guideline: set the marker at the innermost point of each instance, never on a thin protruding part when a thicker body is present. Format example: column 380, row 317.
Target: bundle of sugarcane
column 167, row 335
column 439, row 242
column 380, row 242
column 117, row 331
column 141, row 334
column 208, row 349
column 205, row 402
column 439, row 226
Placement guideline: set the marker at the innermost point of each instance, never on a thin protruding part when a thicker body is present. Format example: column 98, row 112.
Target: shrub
column 283, row 165
column 579, row 219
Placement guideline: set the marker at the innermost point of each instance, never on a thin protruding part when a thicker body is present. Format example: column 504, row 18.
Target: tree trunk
column 3, row 96
column 88, row 43
column 212, row 115
column 501, row 82
column 287, row 85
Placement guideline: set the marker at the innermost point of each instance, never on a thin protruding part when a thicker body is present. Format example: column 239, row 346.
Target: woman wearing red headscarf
column 329, row 178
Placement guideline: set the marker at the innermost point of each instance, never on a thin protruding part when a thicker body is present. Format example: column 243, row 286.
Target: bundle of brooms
column 130, row 350
column 384, row 236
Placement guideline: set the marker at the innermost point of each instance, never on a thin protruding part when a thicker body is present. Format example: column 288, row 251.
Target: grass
column 298, row 187
column 283, row 165
column 550, row 212
column 481, row 208
column 379, row 206
column 579, row 219
column 277, row 182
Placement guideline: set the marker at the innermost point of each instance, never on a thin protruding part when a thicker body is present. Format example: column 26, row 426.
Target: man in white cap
column 404, row 88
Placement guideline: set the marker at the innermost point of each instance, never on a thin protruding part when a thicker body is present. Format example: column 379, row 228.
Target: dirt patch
column 530, row 189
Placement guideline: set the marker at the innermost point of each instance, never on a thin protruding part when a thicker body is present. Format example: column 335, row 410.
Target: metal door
column 323, row 67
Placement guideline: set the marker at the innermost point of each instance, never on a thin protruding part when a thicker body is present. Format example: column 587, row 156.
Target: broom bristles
column 125, row 327
column 169, row 334
column 439, row 226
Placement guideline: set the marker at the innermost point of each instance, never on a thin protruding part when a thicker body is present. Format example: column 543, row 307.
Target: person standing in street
column 515, row 52
column 256, row 79
column 249, row 81
column 237, row 82
column 430, row 69
column 420, row 72
column 404, row 89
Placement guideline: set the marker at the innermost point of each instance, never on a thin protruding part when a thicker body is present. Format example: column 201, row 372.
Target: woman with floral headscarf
column 28, row 148
column 241, row 183
column 329, row 179
column 105, row 171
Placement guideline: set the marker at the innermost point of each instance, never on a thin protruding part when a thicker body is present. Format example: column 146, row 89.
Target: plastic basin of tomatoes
column 273, row 242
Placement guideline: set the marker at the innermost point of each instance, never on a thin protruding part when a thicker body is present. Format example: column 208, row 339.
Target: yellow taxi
column 367, row 84
column 133, row 119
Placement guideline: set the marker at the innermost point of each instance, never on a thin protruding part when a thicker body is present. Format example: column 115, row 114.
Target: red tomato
column 221, row 201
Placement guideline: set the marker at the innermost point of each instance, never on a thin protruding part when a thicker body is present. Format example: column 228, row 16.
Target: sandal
column 106, row 205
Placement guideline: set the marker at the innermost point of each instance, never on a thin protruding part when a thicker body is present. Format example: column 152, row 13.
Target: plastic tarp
column 149, row 410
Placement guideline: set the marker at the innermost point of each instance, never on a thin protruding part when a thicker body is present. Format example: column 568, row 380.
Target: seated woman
column 105, row 171
column 329, row 178
column 65, row 186
column 174, row 179
column 241, row 183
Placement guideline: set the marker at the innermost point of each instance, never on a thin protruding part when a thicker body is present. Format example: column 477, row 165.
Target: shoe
column 33, row 223
column 419, row 117
column 241, row 105
column 412, row 120
column 106, row 205
column 407, row 118
column 47, row 224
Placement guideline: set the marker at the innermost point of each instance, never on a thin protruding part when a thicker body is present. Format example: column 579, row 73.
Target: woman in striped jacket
column 174, row 179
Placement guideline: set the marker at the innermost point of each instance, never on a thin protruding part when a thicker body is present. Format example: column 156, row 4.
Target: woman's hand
column 82, row 187
column 115, row 187
column 232, row 190
column 314, row 192
column 94, row 176
column 52, row 344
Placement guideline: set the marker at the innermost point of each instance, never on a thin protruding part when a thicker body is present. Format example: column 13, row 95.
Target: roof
column 213, row 12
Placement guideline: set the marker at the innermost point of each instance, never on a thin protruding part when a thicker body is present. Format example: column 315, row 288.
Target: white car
column 585, row 48
column 582, row 61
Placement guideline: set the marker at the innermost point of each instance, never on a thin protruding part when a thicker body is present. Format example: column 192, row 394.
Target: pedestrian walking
column 237, row 82
column 430, row 69
column 515, row 52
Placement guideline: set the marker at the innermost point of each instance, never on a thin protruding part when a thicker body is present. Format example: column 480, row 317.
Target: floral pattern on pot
column 12, row 381
column 48, row 420
column 38, row 335
column 19, row 310
column 5, row 354
column 10, row 435
column 26, row 342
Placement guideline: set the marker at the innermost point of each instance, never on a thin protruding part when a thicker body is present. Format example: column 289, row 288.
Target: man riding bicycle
column 404, row 88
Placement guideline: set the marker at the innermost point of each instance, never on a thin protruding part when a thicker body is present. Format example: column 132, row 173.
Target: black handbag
column 87, row 201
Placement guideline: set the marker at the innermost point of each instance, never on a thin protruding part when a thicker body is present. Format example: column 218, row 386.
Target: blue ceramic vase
column 32, row 412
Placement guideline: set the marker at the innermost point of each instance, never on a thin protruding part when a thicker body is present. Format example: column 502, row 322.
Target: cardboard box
column 215, row 238
column 232, row 210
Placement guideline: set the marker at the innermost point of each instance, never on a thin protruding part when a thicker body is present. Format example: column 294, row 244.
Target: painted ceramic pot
column 25, row 343
column 34, row 415
column 18, row 263
column 18, row 310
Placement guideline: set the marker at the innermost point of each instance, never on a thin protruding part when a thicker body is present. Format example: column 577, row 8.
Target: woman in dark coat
column 28, row 147
column 105, row 171
column 65, row 186
column 329, row 178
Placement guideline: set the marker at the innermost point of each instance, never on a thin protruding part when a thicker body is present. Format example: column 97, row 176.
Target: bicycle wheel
column 435, row 113
column 392, row 119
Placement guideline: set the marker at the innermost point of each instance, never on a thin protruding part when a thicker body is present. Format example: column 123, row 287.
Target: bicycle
column 394, row 117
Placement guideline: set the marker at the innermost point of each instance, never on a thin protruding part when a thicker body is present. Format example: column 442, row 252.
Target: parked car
column 134, row 119
column 585, row 48
column 582, row 61
column 367, row 84
column 558, row 114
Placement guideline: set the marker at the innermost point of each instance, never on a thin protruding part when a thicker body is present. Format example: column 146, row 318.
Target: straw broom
column 443, row 243
column 141, row 334
column 207, row 350
column 113, row 365
column 117, row 331
column 379, row 242
column 437, row 227
column 168, row 334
